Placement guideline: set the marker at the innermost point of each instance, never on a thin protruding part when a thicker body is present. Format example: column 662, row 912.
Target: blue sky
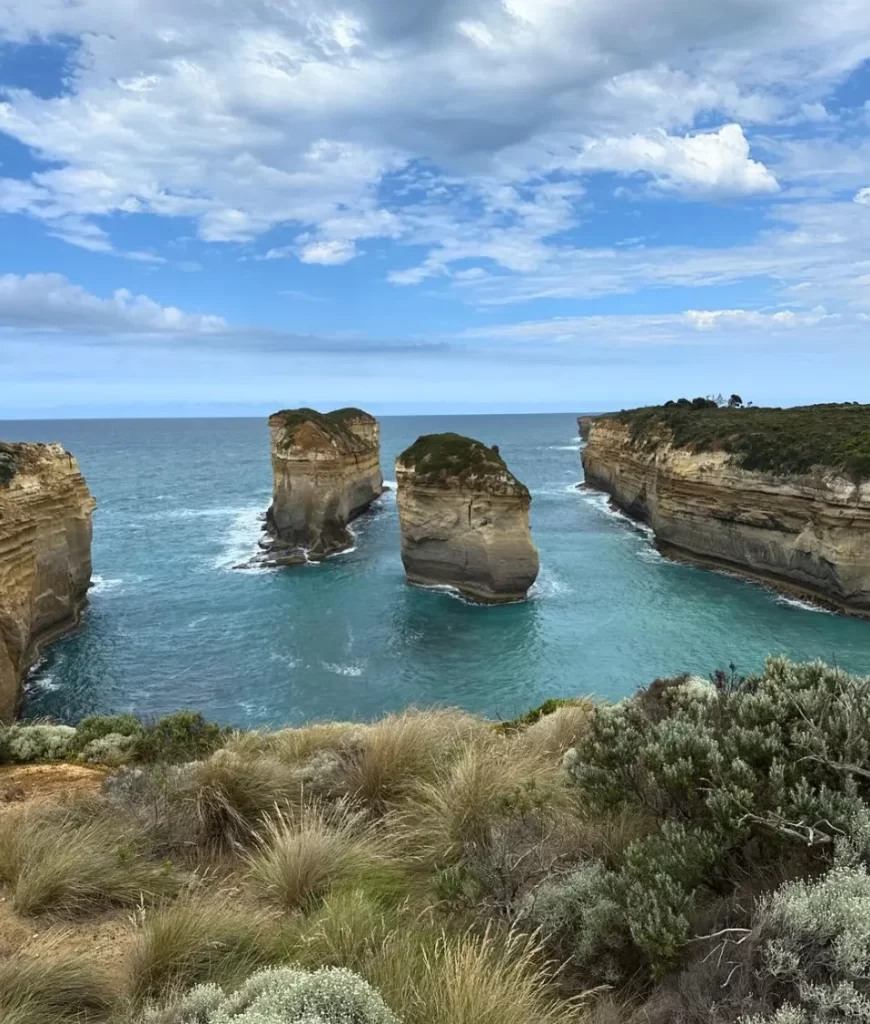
column 217, row 207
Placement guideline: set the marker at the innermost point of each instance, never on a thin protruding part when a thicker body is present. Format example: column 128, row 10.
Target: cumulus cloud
column 251, row 117
column 863, row 197
column 50, row 302
column 708, row 162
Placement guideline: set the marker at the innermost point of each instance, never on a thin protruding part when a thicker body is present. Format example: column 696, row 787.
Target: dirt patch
column 36, row 784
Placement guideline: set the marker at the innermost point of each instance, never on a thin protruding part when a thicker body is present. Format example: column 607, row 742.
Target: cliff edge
column 780, row 495
column 45, row 556
column 464, row 519
column 326, row 471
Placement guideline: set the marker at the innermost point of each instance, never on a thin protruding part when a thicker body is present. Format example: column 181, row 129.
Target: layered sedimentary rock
column 45, row 556
column 804, row 532
column 584, row 425
column 326, row 470
column 464, row 519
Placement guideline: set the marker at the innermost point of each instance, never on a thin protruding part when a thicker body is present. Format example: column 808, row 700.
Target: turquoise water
column 171, row 624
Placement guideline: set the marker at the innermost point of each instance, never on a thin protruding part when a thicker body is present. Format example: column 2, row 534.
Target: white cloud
column 711, row 319
column 50, row 302
column 250, row 117
column 328, row 253
column 863, row 197
column 708, row 162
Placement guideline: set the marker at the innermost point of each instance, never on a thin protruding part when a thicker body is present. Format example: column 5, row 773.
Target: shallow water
column 172, row 624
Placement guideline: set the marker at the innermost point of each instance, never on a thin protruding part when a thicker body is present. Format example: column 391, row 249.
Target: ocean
column 173, row 624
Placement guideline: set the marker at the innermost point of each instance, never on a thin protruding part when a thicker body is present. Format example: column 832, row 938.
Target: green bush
column 740, row 776
column 290, row 995
column 22, row 743
column 184, row 736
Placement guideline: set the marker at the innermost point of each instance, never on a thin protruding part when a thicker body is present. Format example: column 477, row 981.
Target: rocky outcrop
column 45, row 556
column 464, row 519
column 805, row 533
column 584, row 425
column 326, row 470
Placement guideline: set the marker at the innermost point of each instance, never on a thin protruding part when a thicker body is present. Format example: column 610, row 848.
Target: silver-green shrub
column 283, row 995
column 24, row 743
column 815, row 948
column 113, row 749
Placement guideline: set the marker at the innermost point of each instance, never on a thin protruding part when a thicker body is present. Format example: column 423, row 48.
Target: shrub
column 582, row 918
column 197, row 941
column 113, row 750
column 183, row 736
column 24, row 743
column 67, row 862
column 52, row 991
column 293, row 996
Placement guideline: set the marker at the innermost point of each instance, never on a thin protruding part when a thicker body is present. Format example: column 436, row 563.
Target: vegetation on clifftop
column 795, row 440
column 331, row 424
column 695, row 854
column 8, row 463
column 440, row 457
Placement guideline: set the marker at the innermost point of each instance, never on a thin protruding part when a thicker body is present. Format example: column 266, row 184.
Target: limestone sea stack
column 45, row 556
column 464, row 519
column 779, row 495
column 326, row 470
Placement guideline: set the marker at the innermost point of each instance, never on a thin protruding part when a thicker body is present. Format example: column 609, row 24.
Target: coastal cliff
column 464, row 519
column 777, row 495
column 326, row 471
column 584, row 425
column 45, row 556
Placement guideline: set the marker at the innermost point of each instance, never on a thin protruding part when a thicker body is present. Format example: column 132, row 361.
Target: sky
column 228, row 206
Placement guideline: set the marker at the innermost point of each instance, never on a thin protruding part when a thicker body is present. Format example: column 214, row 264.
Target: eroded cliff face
column 326, row 471
column 45, row 556
column 808, row 534
column 466, row 531
column 584, row 425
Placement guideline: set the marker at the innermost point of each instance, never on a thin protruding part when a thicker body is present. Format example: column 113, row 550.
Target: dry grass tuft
column 294, row 745
column 555, row 733
column 48, row 991
column 68, row 861
column 457, row 811
column 400, row 750
column 301, row 855
column 197, row 940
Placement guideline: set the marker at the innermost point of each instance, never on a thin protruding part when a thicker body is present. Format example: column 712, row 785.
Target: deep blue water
column 171, row 624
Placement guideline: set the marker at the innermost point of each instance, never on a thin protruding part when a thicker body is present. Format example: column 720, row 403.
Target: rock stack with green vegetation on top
column 45, row 556
column 464, row 519
column 326, row 471
column 780, row 495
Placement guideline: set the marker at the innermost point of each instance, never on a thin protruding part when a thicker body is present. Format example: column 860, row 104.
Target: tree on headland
column 735, row 402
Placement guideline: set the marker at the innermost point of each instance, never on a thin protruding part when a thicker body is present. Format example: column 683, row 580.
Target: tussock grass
column 293, row 745
column 198, row 940
column 53, row 991
column 399, row 750
column 62, row 862
column 553, row 734
column 458, row 809
column 231, row 795
column 302, row 855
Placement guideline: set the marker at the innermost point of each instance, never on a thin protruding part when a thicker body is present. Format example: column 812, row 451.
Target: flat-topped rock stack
column 464, row 519
column 326, row 470
column 45, row 556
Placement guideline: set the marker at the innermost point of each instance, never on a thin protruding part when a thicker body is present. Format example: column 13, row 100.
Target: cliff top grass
column 332, row 424
column 438, row 457
column 786, row 441
column 350, row 412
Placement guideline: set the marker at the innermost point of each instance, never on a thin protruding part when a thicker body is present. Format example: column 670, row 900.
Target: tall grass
column 53, row 991
column 302, row 854
column 63, row 862
column 197, row 940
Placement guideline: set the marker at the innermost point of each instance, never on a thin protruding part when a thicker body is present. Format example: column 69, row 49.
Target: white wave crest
column 101, row 585
column 342, row 670
column 240, row 539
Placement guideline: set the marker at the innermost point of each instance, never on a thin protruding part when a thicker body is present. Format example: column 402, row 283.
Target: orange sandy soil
column 105, row 937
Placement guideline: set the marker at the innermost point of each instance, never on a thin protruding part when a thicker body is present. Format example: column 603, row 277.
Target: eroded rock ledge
column 326, row 471
column 45, row 556
column 464, row 519
column 804, row 530
column 584, row 425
